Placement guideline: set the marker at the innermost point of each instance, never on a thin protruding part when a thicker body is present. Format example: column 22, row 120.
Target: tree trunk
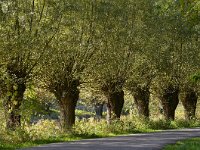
column 67, row 104
column 12, row 103
column 169, row 101
column 109, row 113
column 67, row 113
column 189, row 101
column 99, row 110
column 141, row 99
column 115, row 103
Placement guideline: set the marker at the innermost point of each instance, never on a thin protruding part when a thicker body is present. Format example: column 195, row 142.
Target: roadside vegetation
column 49, row 131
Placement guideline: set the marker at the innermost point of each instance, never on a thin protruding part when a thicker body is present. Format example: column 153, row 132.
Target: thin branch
column 32, row 14
column 44, row 48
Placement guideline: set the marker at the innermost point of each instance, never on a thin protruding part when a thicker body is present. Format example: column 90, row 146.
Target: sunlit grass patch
column 191, row 144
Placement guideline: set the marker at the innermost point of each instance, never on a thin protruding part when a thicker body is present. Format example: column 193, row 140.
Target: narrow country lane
column 149, row 141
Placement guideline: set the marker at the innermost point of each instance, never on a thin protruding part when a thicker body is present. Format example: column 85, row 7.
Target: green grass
column 14, row 146
column 83, row 113
column 62, row 138
column 191, row 144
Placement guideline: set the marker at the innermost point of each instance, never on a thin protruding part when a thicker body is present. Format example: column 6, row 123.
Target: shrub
column 44, row 129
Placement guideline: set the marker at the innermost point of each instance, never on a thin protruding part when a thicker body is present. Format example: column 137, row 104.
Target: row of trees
column 142, row 45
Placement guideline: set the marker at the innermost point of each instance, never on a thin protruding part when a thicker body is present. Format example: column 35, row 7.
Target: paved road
column 150, row 141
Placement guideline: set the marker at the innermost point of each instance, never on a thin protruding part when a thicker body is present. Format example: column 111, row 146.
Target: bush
column 44, row 129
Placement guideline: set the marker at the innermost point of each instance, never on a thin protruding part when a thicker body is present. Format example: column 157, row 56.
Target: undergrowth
column 48, row 131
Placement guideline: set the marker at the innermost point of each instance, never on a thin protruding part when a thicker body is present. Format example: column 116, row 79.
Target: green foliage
column 84, row 113
column 38, row 104
column 196, row 77
column 128, row 125
column 114, row 45
column 43, row 129
column 26, row 29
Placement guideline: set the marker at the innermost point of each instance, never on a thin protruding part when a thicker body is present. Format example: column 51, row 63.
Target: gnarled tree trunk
column 67, row 98
column 169, row 101
column 115, row 104
column 99, row 110
column 141, row 99
column 12, row 103
column 189, row 98
column 67, row 111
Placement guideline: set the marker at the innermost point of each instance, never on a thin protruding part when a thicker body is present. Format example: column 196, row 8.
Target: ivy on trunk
column 14, row 86
column 12, row 103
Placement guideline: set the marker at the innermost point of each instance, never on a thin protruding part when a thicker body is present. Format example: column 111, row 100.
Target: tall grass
column 48, row 131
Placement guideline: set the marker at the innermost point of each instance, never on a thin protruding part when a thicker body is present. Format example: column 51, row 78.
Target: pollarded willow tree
column 111, row 64
column 166, row 83
column 139, row 84
column 142, row 68
column 189, row 50
column 69, row 57
column 27, row 28
column 176, row 57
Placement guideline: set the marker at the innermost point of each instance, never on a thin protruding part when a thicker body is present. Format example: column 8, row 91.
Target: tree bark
column 169, row 101
column 67, row 102
column 67, row 112
column 99, row 110
column 189, row 101
column 12, row 103
column 109, row 113
column 115, row 104
column 141, row 99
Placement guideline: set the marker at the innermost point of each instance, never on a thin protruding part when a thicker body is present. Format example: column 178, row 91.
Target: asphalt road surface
column 149, row 141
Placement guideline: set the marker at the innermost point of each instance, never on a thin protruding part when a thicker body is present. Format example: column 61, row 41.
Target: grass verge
column 190, row 144
column 48, row 131
column 5, row 145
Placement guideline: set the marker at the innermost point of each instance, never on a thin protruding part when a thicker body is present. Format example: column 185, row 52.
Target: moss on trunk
column 12, row 103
